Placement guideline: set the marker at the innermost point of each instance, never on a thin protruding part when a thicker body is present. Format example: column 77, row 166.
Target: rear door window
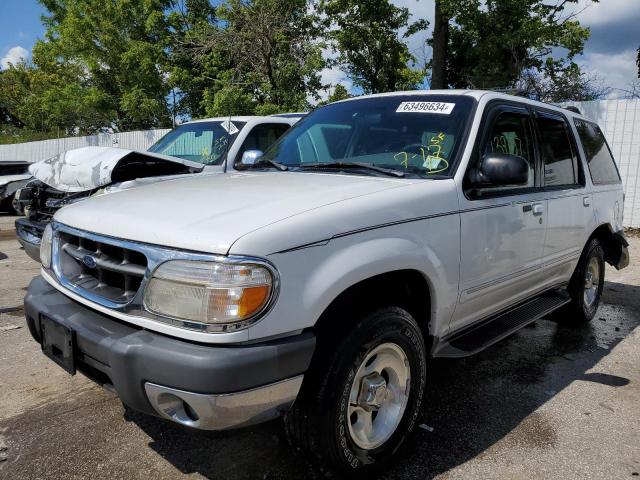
column 599, row 159
column 558, row 157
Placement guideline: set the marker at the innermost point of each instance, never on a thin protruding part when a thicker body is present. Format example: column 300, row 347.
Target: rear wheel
column 361, row 398
column 585, row 286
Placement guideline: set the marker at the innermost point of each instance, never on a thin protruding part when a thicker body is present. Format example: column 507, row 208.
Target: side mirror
column 501, row 170
column 250, row 157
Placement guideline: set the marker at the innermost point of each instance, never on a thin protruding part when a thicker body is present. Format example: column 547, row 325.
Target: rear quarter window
column 560, row 163
column 599, row 159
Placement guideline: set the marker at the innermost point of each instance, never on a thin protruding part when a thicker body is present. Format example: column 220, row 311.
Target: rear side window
column 601, row 164
column 560, row 165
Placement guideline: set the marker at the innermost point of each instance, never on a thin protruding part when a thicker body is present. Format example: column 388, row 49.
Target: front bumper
column 29, row 235
column 201, row 386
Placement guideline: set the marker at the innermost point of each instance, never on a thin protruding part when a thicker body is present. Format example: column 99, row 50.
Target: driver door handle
column 538, row 209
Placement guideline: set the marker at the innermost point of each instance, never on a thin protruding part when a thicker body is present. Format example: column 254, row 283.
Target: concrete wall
column 36, row 151
column 620, row 122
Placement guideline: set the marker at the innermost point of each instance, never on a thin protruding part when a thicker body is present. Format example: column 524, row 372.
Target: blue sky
column 20, row 25
column 609, row 53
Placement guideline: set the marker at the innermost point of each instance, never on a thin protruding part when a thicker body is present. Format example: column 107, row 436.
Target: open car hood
column 88, row 168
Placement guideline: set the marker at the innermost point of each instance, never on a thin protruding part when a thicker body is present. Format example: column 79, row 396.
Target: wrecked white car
column 202, row 146
column 13, row 176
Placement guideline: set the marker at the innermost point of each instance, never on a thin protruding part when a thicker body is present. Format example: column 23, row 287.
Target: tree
column 568, row 83
column 509, row 44
column 340, row 92
column 188, row 77
column 52, row 98
column 120, row 46
column 365, row 35
column 264, row 51
column 440, row 42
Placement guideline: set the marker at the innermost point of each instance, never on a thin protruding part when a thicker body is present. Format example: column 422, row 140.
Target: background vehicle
column 379, row 232
column 13, row 176
column 201, row 146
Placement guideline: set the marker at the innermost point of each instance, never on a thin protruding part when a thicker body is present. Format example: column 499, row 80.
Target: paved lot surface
column 549, row 402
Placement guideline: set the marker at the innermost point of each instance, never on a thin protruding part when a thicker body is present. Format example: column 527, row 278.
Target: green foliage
column 229, row 100
column 506, row 43
column 365, row 36
column 340, row 92
column 133, row 64
column 188, row 75
column 119, row 49
column 256, row 57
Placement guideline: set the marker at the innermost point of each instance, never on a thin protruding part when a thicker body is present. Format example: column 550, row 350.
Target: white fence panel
column 36, row 151
column 620, row 122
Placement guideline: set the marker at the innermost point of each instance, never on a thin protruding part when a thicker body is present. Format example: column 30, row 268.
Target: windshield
column 418, row 135
column 202, row 142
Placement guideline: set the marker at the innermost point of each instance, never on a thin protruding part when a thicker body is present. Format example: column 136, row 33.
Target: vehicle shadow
column 470, row 405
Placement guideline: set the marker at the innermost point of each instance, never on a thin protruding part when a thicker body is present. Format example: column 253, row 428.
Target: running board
column 479, row 336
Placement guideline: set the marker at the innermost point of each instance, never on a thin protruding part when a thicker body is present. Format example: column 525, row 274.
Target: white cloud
column 14, row 56
column 606, row 11
column 616, row 71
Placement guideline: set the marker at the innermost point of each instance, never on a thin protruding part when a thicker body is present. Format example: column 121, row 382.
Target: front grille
column 101, row 268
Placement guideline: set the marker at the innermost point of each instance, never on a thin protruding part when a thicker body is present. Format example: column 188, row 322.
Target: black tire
column 7, row 205
column 317, row 424
column 580, row 311
column 15, row 206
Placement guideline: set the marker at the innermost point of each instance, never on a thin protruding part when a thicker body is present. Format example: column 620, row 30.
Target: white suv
column 377, row 233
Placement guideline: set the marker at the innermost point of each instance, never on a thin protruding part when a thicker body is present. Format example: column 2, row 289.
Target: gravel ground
column 549, row 402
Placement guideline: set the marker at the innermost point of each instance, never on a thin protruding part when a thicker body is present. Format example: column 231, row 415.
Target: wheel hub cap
column 373, row 392
column 379, row 395
column 591, row 282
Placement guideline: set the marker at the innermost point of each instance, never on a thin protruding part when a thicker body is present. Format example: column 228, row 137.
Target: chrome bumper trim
column 224, row 411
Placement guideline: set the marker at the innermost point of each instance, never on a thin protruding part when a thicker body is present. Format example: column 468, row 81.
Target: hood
column 6, row 179
column 208, row 213
column 88, row 168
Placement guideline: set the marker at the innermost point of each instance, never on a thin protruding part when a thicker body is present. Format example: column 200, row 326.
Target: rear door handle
column 538, row 209
column 586, row 201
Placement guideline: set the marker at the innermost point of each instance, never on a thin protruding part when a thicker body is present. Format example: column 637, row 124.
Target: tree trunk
column 440, row 45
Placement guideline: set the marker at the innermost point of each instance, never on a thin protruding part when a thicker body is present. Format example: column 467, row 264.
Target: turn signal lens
column 45, row 246
column 209, row 293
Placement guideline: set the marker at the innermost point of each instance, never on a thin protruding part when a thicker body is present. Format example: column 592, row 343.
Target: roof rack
column 574, row 109
column 518, row 92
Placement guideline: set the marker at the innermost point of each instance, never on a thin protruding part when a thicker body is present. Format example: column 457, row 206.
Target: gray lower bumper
column 202, row 386
column 29, row 235
column 221, row 412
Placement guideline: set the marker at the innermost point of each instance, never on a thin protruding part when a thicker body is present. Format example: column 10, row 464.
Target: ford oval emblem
column 90, row 261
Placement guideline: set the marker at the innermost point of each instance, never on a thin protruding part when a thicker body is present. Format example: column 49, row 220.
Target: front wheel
column 362, row 398
column 586, row 286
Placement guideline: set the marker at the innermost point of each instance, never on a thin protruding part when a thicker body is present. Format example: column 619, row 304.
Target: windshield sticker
column 230, row 127
column 434, row 161
column 426, row 107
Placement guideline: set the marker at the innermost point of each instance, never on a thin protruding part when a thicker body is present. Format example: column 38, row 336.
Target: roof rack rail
column 574, row 109
column 518, row 92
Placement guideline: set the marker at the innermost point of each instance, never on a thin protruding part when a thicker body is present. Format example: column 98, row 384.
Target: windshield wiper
column 342, row 165
column 280, row 166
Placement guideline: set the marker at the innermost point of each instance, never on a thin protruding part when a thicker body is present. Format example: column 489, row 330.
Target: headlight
column 210, row 293
column 45, row 246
